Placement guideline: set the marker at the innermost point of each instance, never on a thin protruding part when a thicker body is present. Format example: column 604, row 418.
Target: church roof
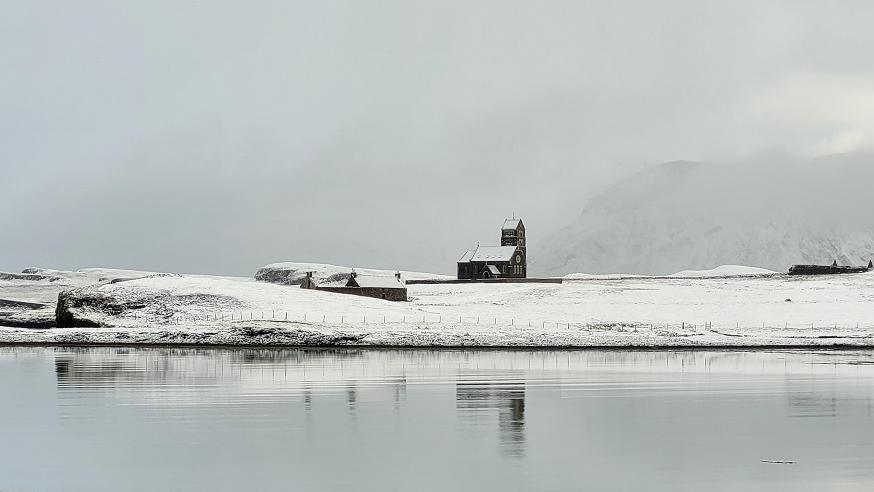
column 511, row 224
column 488, row 253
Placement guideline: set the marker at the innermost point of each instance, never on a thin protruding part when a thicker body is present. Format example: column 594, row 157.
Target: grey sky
column 218, row 136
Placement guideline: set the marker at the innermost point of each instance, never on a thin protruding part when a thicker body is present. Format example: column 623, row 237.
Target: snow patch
column 725, row 271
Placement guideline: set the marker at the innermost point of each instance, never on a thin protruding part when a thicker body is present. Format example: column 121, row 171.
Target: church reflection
column 481, row 396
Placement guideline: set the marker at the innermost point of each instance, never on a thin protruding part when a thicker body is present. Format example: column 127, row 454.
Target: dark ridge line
column 465, row 348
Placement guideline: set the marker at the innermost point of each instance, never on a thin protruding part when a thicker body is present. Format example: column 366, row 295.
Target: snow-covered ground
column 637, row 311
column 720, row 271
column 725, row 271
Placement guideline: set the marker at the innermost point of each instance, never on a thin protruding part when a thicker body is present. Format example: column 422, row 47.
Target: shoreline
column 263, row 335
column 468, row 348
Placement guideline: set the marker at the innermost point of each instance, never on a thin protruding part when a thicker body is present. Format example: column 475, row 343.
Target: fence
column 478, row 320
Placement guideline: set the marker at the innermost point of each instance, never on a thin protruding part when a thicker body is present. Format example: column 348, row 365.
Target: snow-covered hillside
column 28, row 299
column 692, row 216
column 292, row 273
column 640, row 311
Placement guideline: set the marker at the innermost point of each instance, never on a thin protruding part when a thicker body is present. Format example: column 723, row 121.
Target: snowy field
column 689, row 310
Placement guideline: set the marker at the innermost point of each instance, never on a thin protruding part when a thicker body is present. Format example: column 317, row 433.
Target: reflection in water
column 235, row 419
column 383, row 375
column 502, row 393
column 806, row 400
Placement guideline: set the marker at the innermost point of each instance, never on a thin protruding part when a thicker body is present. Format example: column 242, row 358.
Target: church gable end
column 509, row 260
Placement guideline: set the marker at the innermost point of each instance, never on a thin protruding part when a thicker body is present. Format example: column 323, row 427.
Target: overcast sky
column 216, row 136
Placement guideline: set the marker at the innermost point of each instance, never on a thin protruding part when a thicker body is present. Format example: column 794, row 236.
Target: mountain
column 689, row 215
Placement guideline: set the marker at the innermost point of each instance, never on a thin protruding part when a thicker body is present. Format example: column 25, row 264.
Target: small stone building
column 509, row 260
column 391, row 288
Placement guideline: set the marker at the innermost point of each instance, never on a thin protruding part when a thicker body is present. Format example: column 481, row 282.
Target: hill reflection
column 487, row 384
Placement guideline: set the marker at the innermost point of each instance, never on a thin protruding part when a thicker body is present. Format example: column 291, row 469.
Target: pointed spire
column 835, row 263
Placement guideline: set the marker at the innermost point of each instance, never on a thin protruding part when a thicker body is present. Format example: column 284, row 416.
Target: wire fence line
column 504, row 322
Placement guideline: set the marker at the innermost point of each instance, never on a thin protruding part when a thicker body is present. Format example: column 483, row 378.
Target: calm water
column 205, row 419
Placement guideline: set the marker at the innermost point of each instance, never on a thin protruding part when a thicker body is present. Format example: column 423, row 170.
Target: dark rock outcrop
column 278, row 275
column 64, row 316
column 286, row 275
column 24, row 276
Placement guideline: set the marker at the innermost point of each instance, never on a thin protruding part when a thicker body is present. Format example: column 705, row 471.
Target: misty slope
column 687, row 215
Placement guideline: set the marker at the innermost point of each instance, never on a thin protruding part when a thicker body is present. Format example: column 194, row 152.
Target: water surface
column 217, row 419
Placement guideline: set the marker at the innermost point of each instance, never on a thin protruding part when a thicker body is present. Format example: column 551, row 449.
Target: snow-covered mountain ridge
column 693, row 216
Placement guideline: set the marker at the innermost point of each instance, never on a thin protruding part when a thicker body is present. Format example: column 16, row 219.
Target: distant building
column 832, row 269
column 505, row 261
column 379, row 286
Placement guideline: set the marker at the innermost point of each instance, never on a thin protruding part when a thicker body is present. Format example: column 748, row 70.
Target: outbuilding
column 391, row 288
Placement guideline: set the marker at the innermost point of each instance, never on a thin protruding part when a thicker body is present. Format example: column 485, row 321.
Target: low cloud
column 218, row 137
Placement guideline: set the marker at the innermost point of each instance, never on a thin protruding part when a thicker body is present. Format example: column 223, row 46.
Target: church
column 505, row 261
